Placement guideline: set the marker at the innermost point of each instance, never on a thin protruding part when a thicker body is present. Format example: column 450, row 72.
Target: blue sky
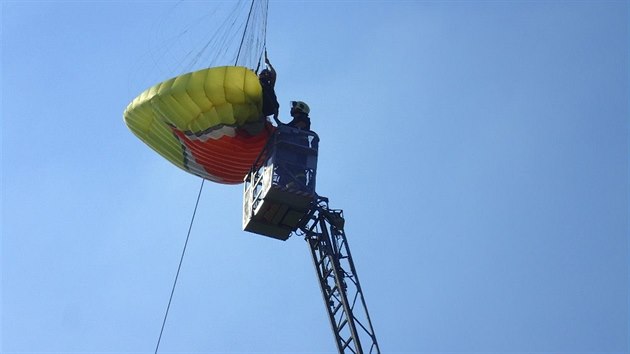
column 479, row 150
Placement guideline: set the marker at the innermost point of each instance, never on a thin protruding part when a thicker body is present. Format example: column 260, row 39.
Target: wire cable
column 179, row 267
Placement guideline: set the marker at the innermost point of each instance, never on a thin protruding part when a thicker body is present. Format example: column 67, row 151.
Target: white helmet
column 300, row 106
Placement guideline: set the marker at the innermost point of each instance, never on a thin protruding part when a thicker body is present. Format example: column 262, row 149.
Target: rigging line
column 263, row 50
column 265, row 25
column 244, row 32
column 179, row 267
column 220, row 40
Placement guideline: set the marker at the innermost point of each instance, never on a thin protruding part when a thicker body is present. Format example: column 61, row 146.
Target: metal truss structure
column 349, row 318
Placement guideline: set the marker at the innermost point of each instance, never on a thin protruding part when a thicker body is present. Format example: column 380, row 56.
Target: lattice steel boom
column 338, row 279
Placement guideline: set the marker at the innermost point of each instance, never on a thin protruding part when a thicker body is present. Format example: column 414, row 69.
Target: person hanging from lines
column 267, row 79
column 270, row 105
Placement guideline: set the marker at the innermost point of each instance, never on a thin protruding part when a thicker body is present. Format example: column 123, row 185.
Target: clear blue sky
column 479, row 150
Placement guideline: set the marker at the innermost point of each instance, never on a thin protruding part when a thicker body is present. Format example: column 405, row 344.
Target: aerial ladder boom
column 279, row 200
column 338, row 280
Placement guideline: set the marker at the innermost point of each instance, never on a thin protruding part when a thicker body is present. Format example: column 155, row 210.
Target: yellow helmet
column 300, row 106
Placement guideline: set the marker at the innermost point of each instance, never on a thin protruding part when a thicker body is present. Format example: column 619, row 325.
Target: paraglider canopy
column 209, row 122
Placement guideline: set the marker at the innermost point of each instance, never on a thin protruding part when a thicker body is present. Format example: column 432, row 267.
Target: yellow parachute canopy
column 208, row 122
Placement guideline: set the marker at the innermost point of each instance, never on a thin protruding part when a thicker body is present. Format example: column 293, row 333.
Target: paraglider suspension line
column 244, row 33
column 192, row 219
